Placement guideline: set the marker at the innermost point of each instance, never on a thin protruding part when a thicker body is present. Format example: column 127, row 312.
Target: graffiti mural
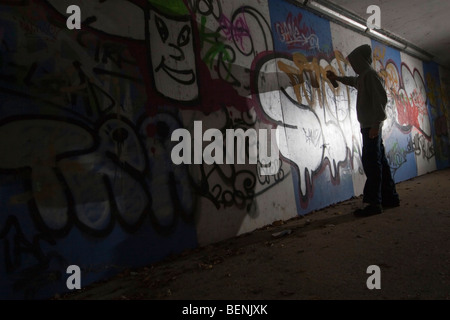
column 311, row 116
column 172, row 55
column 231, row 36
column 87, row 116
column 86, row 158
column 92, row 112
column 233, row 185
column 406, row 109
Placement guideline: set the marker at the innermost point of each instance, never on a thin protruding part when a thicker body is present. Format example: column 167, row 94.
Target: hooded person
column 372, row 99
column 379, row 189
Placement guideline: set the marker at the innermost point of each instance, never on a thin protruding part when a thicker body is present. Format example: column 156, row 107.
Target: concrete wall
column 86, row 118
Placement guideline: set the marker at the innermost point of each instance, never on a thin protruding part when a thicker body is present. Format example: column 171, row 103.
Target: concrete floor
column 325, row 256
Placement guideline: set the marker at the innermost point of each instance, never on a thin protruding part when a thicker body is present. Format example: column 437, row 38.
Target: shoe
column 370, row 210
column 391, row 204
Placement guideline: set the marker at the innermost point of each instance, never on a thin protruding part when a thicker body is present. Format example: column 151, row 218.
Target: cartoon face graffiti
column 172, row 56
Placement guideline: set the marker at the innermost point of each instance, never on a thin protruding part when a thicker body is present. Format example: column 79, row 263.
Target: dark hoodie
column 371, row 100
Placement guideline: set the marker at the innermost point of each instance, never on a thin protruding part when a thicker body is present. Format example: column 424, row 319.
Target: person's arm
column 349, row 81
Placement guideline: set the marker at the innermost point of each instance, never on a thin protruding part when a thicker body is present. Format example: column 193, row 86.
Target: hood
column 361, row 58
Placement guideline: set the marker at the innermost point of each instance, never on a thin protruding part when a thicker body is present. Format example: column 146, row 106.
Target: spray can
column 333, row 82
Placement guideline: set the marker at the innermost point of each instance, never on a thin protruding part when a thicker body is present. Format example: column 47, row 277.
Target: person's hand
column 374, row 132
column 331, row 75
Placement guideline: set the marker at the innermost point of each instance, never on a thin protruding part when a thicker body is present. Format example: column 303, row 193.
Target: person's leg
column 389, row 193
column 371, row 160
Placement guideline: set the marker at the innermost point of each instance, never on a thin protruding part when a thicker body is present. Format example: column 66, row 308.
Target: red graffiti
column 408, row 113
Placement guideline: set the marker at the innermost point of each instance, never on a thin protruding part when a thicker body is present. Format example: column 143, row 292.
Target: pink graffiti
column 236, row 30
column 296, row 35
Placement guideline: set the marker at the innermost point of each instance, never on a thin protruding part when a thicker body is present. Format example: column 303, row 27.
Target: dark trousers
column 380, row 186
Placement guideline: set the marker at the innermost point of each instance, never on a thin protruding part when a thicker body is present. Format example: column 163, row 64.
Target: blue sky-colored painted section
column 326, row 192
column 33, row 264
column 298, row 30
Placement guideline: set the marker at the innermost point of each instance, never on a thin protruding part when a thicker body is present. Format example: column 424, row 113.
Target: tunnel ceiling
column 425, row 24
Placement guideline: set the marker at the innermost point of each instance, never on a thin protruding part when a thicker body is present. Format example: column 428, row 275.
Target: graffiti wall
column 88, row 118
